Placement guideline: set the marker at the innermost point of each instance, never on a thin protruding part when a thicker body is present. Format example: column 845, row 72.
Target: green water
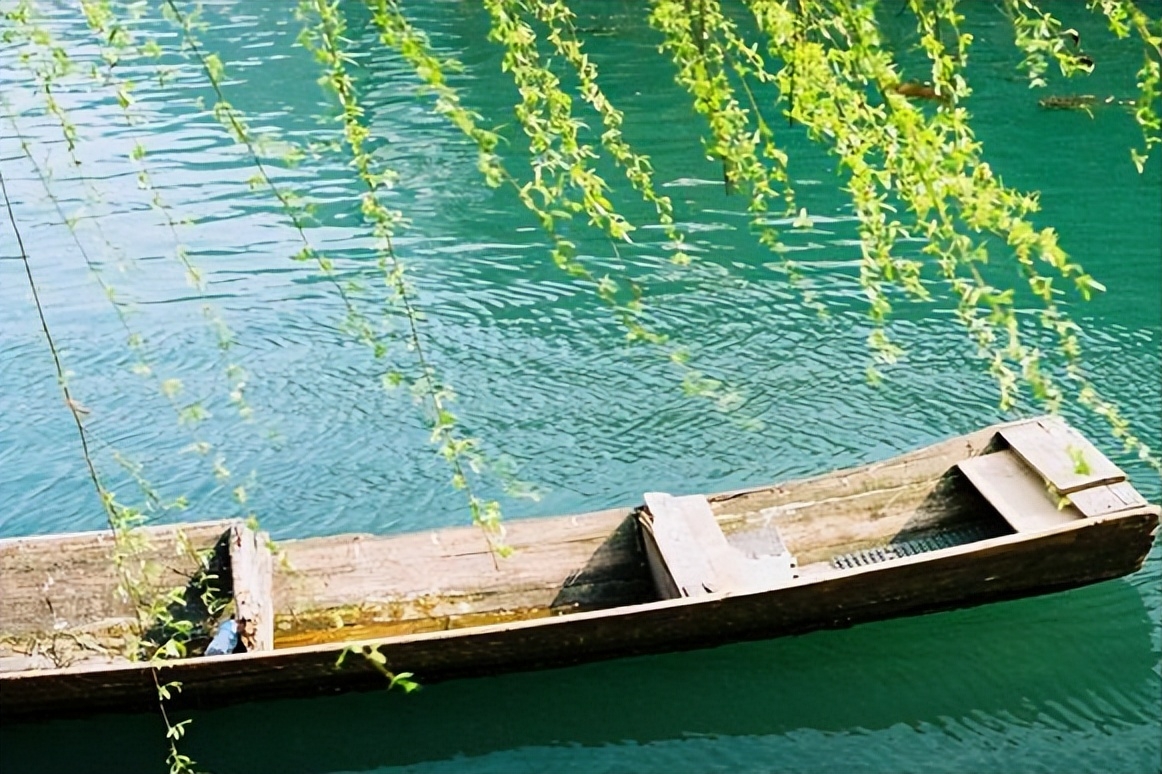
column 1069, row 682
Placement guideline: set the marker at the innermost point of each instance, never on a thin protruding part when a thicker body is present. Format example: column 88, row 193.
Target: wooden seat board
column 703, row 560
column 1100, row 500
column 686, row 550
column 1017, row 492
column 1061, row 455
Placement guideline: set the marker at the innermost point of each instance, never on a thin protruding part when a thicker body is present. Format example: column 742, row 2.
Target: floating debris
column 1078, row 101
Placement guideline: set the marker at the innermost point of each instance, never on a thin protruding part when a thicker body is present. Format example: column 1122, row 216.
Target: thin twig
column 74, row 408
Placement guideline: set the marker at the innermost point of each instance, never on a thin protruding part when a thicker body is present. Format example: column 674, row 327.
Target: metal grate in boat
column 900, row 548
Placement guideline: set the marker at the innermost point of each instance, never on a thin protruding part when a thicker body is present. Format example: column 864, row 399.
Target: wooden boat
column 1013, row 510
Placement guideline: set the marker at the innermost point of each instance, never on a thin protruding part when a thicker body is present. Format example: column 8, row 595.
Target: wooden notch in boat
column 690, row 556
column 252, row 571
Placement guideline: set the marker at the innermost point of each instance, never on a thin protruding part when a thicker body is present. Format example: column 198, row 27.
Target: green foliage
column 1041, row 38
column 323, row 35
column 559, row 19
column 402, row 680
column 563, row 182
column 1080, row 464
column 134, row 572
column 913, row 171
column 1124, row 17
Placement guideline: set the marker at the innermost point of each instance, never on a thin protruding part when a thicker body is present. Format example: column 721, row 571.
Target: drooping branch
column 324, row 37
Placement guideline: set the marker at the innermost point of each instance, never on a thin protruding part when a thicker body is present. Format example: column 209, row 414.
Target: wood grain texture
column 1002, row 568
column 335, row 587
column 1055, row 450
column 579, row 588
column 1110, row 498
column 60, row 601
column 252, row 571
column 692, row 547
column 1017, row 491
column 698, row 556
column 58, row 581
column 849, row 510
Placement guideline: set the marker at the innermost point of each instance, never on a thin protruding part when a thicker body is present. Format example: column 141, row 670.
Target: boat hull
column 1007, row 567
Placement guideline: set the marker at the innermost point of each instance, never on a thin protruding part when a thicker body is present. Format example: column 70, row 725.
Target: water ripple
column 544, row 378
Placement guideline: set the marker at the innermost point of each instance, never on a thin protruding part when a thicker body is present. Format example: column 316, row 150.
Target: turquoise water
column 1069, row 682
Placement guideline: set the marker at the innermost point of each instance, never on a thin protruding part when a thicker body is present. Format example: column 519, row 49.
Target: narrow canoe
column 1012, row 510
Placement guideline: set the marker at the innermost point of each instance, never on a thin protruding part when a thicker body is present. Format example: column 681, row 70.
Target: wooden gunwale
column 587, row 636
column 1019, row 564
column 931, row 557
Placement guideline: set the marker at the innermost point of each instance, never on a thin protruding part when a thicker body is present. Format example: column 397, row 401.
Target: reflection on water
column 1012, row 674
column 544, row 379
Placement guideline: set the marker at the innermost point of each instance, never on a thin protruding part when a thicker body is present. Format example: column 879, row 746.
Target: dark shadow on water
column 1020, row 658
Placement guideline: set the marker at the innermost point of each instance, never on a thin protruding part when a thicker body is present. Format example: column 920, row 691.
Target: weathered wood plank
column 1082, row 552
column 826, row 515
column 1016, row 491
column 1111, row 498
column 696, row 543
column 1055, row 450
column 691, row 553
column 664, row 584
column 252, row 568
column 56, row 583
column 565, row 563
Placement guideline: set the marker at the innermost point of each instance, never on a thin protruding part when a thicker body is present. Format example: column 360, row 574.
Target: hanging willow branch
column 50, row 64
column 168, row 388
column 324, row 37
column 1123, row 16
column 911, row 171
column 41, row 46
column 123, row 521
column 554, row 203
column 53, row 65
column 76, row 410
column 546, row 118
column 294, row 209
column 559, row 18
column 894, row 152
column 706, row 48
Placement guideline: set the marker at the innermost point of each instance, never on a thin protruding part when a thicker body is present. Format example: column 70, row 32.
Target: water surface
column 544, row 378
